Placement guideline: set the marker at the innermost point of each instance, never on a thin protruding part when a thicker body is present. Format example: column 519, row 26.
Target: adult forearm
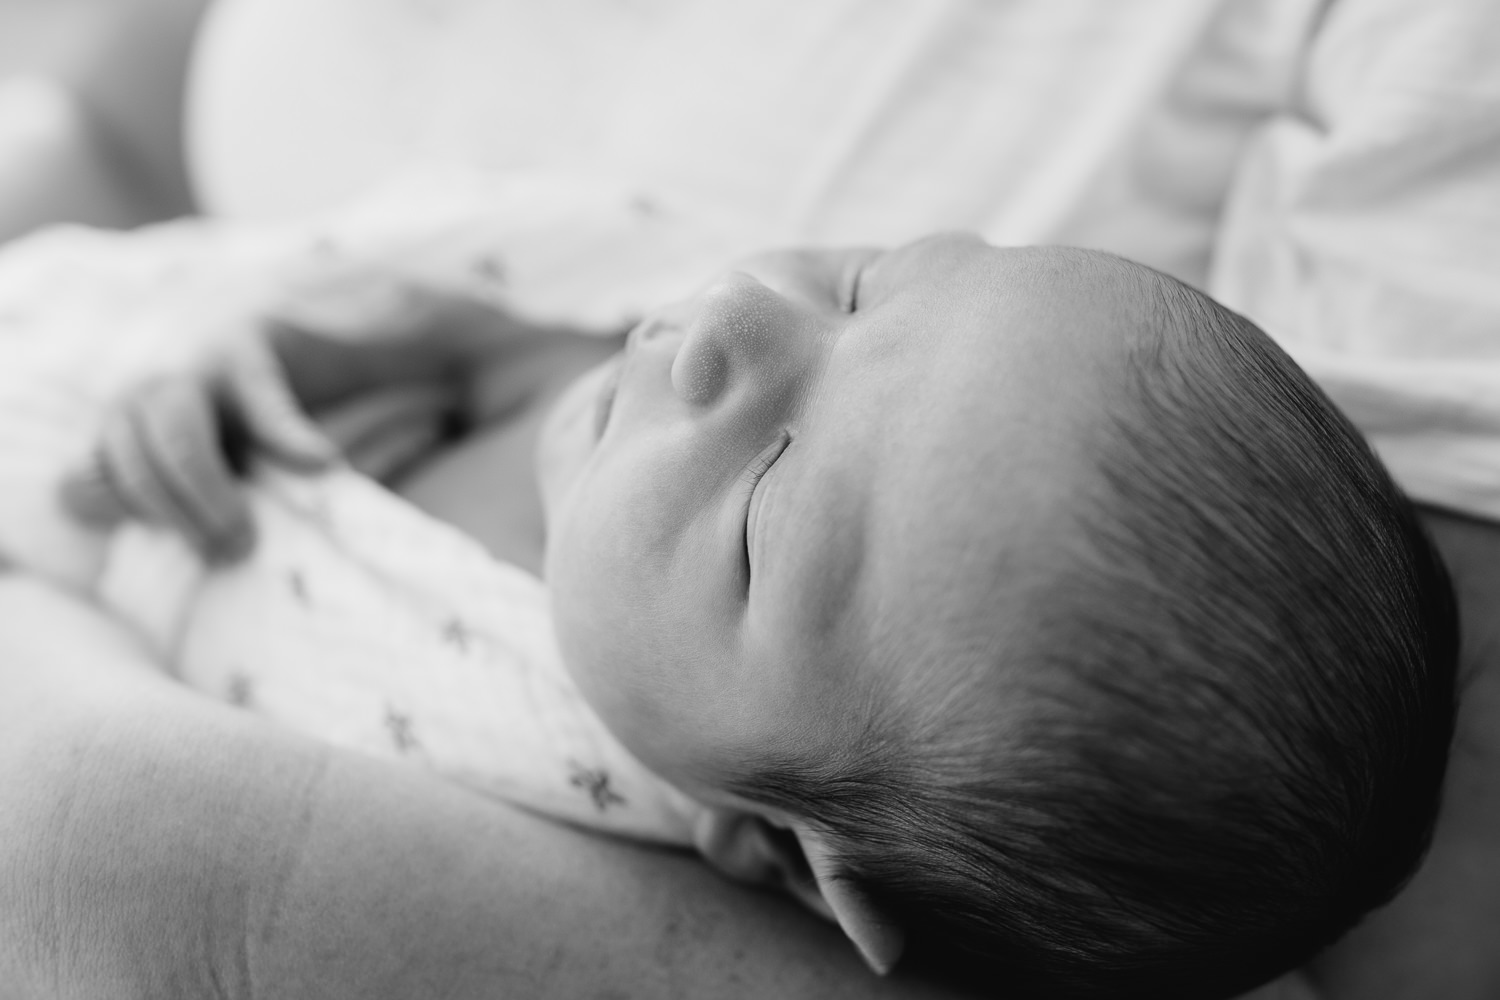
column 1437, row 939
column 123, row 872
column 121, row 65
column 155, row 845
column 405, row 887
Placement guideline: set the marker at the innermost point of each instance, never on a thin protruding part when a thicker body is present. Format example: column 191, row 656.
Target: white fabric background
column 1355, row 143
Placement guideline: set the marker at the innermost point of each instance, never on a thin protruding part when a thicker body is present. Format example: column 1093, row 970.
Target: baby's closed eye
column 751, row 477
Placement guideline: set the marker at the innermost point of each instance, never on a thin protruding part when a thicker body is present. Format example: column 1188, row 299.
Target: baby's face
column 810, row 499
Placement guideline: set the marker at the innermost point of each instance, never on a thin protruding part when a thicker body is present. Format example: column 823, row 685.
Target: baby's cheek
column 563, row 448
column 580, row 619
column 597, row 630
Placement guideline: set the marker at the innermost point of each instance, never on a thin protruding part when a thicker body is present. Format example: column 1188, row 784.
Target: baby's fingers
column 163, row 457
column 259, row 396
column 382, row 434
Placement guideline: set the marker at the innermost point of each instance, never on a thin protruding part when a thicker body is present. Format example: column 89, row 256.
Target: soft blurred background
column 90, row 111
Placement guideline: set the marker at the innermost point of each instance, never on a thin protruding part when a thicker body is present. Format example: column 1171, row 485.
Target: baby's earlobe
column 748, row 848
column 879, row 939
column 730, row 841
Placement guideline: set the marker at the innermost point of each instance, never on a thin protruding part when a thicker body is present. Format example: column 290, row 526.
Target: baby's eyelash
column 765, row 460
column 751, row 477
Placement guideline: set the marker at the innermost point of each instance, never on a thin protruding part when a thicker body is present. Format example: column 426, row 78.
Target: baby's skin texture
column 762, row 508
column 805, row 504
column 809, row 503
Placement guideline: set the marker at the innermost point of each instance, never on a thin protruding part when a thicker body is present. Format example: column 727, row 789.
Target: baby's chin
column 567, row 438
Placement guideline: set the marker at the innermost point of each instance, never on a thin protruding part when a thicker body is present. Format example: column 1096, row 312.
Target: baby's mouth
column 604, row 402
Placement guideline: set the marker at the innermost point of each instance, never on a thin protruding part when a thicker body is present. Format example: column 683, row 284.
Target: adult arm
column 1438, row 938
column 153, row 844
column 95, row 134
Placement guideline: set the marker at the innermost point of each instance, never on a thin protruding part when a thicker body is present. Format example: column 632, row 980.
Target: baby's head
column 1042, row 604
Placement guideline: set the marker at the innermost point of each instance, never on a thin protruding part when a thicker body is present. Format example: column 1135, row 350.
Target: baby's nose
column 741, row 332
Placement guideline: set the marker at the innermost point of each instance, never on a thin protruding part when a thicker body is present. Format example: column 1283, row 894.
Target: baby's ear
column 879, row 939
column 748, row 848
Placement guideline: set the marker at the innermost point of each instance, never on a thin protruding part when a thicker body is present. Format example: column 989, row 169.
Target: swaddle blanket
column 358, row 619
column 361, row 621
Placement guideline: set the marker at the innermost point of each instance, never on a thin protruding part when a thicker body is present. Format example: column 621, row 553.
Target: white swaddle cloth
column 362, row 621
column 358, row 620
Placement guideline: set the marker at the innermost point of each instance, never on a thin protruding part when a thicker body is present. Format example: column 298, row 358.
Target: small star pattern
column 401, row 730
column 457, row 634
column 595, row 782
column 241, row 691
column 298, row 585
column 491, row 268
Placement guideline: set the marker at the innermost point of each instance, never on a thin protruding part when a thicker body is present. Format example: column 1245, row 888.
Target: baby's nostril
column 648, row 329
column 668, row 320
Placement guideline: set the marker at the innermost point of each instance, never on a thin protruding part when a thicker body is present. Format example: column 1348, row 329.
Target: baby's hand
column 382, row 365
column 173, row 447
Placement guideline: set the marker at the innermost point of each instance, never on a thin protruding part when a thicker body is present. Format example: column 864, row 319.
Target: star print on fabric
column 317, row 511
column 241, row 691
column 596, row 783
column 491, row 267
column 398, row 724
column 298, row 585
column 457, row 634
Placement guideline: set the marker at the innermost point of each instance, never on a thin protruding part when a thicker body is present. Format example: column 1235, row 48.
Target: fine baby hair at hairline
column 1241, row 696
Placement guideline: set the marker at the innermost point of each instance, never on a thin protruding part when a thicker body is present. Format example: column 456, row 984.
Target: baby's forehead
column 971, row 321
column 936, row 474
column 926, row 488
column 957, row 259
column 990, row 352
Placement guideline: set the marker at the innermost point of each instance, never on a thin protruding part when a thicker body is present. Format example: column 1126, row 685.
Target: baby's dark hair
column 1239, row 718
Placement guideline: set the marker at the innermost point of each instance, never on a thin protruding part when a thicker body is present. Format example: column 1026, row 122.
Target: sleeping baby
column 1023, row 611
